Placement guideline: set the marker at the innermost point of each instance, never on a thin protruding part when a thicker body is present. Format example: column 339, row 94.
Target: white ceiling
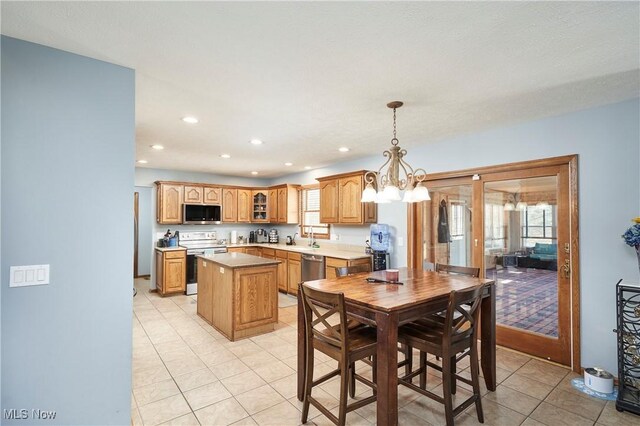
column 308, row 77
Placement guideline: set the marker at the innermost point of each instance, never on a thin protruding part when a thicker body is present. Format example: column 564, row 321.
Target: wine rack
column 628, row 331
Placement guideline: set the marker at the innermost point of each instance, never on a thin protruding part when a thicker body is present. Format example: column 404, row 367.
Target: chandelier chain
column 394, row 141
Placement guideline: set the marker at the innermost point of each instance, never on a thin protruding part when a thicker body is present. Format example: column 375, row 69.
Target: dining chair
column 336, row 340
column 458, row 270
column 452, row 338
column 343, row 271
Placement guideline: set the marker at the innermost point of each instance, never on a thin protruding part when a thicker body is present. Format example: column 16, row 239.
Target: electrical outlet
column 400, row 241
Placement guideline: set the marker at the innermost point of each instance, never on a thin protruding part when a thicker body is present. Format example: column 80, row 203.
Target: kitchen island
column 238, row 293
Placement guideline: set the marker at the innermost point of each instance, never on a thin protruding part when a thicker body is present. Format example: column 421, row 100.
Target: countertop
column 303, row 249
column 170, row 248
column 238, row 260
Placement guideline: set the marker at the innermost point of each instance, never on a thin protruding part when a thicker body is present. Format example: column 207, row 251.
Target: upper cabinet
column 259, row 206
column 212, row 195
column 193, row 194
column 340, row 200
column 229, row 205
column 278, row 204
column 284, row 207
column 245, row 205
column 272, row 205
column 169, row 203
column 329, row 201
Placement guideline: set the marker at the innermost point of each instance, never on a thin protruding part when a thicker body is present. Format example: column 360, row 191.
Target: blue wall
column 67, row 185
column 146, row 222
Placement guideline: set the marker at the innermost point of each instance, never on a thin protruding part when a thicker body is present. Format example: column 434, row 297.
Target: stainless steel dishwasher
column 312, row 267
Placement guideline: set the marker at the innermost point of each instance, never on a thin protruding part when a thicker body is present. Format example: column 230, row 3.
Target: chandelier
column 399, row 175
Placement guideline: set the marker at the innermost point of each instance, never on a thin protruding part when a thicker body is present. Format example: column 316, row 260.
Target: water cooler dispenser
column 380, row 246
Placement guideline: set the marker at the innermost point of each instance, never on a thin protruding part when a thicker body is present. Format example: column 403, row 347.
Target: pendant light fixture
column 398, row 176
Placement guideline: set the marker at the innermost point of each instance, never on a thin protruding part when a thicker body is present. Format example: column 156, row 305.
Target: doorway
column 142, row 232
column 518, row 224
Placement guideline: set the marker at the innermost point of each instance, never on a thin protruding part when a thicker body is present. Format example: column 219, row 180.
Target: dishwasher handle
column 313, row 258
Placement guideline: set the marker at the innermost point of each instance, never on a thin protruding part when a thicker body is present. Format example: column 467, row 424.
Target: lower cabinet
column 254, row 251
column 171, row 270
column 332, row 263
column 283, row 280
column 294, row 272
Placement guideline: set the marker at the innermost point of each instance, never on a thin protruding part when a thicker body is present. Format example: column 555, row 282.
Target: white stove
column 198, row 243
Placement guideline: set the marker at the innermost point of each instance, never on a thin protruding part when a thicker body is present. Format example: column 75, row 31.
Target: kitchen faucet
column 311, row 241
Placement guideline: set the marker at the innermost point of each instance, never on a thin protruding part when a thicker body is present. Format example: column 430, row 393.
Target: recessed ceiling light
column 343, row 149
column 158, row 147
column 225, row 156
column 255, row 142
column 189, row 119
column 288, row 164
column 307, row 167
column 142, row 161
column 254, row 173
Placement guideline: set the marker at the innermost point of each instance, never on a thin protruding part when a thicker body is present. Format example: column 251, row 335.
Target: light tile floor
column 186, row 373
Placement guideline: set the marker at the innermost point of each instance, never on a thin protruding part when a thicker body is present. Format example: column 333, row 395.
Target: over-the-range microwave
column 201, row 214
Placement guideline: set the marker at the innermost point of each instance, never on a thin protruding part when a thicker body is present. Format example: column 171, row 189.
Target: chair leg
column 423, row 370
column 344, row 385
column 374, row 373
column 308, row 381
column 475, row 380
column 352, row 380
column 446, row 388
column 454, row 384
column 408, row 355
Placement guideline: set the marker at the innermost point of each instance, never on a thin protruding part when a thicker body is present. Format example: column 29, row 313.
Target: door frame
column 414, row 227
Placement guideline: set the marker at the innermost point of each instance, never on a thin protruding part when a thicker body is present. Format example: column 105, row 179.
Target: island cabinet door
column 256, row 297
column 205, row 290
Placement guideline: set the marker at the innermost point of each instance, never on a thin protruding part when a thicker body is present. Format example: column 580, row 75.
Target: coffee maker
column 262, row 236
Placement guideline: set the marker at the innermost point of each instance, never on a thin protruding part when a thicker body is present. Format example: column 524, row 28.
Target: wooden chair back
column 317, row 320
column 459, row 270
column 350, row 270
column 462, row 315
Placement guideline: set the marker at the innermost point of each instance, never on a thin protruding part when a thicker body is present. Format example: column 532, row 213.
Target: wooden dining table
column 387, row 306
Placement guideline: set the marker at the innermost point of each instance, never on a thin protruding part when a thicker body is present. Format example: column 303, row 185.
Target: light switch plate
column 23, row 276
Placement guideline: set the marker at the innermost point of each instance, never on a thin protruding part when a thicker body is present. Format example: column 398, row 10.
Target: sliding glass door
column 518, row 224
column 525, row 248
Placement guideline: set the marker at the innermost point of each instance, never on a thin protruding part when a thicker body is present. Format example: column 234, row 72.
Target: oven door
column 192, row 271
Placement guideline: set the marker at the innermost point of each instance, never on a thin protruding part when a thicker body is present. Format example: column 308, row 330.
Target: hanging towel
column 443, row 223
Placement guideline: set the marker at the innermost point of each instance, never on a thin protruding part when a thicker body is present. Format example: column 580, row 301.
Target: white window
column 310, row 213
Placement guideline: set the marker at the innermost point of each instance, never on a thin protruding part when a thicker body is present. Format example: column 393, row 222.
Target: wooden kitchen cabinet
column 272, row 205
column 283, row 207
column 332, row 263
column 259, row 211
column 283, row 267
column 171, row 269
column 254, row 251
column 193, row 194
column 237, row 250
column 169, row 203
column 340, row 200
column 205, row 290
column 245, row 205
column 229, row 205
column 329, row 201
column 294, row 272
column 212, row 195
column 268, row 253
column 238, row 302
